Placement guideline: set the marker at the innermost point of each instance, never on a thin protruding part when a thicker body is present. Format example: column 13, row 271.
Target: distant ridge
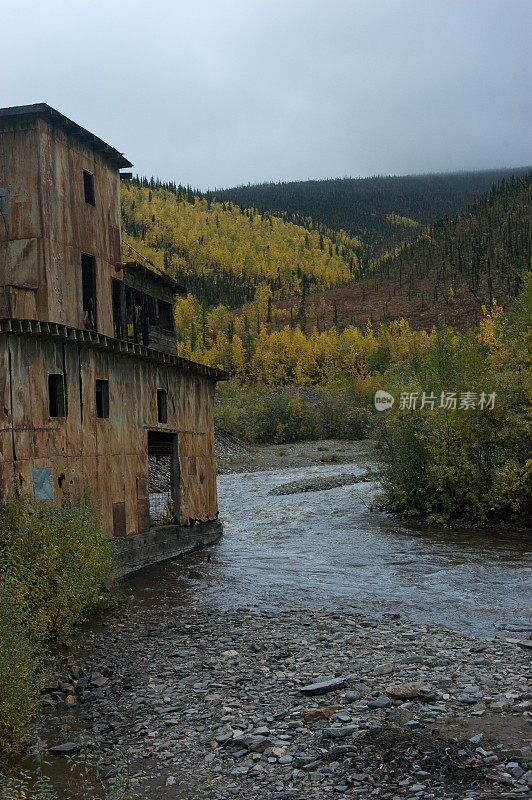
column 382, row 211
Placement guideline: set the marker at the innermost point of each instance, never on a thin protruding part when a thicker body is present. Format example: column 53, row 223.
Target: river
column 334, row 549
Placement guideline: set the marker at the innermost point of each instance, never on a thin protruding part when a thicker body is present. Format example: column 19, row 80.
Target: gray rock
column 339, row 733
column 67, row 749
column 256, row 744
column 381, row 702
column 399, row 716
column 514, row 769
column 356, row 692
column 323, row 686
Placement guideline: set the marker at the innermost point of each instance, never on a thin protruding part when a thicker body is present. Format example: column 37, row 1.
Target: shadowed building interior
column 93, row 396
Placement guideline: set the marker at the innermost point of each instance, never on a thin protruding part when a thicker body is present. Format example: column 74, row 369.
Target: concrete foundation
column 163, row 543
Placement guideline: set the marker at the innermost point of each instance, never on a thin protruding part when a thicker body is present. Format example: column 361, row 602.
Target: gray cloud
column 218, row 93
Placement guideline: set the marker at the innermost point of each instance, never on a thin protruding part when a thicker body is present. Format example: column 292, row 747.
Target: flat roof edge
column 60, row 120
column 55, row 330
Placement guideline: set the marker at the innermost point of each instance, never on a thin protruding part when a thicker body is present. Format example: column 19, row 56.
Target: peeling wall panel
column 105, row 457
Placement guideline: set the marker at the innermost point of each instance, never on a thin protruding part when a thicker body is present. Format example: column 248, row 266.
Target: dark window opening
column 166, row 317
column 102, row 399
column 162, row 406
column 88, row 280
column 151, row 309
column 88, row 187
column 136, row 318
column 119, row 519
column 119, row 309
column 56, row 395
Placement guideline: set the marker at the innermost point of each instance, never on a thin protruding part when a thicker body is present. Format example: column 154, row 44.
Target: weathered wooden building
column 93, row 395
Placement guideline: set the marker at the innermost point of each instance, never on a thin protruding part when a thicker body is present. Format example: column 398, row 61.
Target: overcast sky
column 217, row 93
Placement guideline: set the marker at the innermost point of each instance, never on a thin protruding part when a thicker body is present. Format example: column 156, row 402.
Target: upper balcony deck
column 143, row 302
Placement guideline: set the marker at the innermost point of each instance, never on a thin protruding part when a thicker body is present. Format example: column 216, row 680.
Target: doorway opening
column 163, row 478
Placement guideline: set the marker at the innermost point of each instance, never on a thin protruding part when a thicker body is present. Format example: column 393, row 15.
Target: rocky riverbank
column 320, row 484
column 233, row 455
column 223, row 704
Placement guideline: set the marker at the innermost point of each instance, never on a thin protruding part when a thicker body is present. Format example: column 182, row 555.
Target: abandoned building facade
column 93, row 396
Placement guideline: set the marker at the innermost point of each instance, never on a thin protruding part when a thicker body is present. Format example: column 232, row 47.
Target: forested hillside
column 280, row 274
column 223, row 253
column 381, row 211
column 453, row 268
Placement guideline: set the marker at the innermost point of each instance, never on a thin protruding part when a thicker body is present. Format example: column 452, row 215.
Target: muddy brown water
column 334, row 549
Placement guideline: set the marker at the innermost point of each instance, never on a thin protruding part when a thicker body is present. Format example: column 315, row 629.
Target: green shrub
column 54, row 562
column 18, row 662
column 464, row 464
column 288, row 417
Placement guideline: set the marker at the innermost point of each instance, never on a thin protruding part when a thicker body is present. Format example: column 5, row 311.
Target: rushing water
column 332, row 549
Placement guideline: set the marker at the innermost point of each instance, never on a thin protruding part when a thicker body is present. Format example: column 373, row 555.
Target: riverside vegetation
column 438, row 464
column 54, row 562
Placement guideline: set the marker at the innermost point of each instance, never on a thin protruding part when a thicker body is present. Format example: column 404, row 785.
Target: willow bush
column 470, row 464
column 54, row 562
column 266, row 418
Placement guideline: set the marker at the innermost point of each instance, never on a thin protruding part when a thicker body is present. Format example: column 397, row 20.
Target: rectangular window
column 102, row 399
column 56, row 395
column 88, row 280
column 162, row 411
column 88, row 187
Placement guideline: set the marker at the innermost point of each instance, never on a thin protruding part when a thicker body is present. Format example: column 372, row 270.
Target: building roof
column 59, row 120
column 137, row 263
column 145, row 272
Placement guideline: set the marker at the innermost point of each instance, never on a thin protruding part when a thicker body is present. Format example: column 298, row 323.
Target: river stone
column 404, row 691
column 383, row 669
column 67, row 749
column 255, row 744
column 514, row 769
column 324, row 712
column 399, row 716
column 380, row 702
column 527, row 777
column 98, row 680
column 323, row 686
column 357, row 690
column 339, row 733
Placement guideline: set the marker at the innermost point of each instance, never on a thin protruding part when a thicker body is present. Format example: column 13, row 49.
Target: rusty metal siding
column 49, row 225
column 73, row 226
column 107, row 457
column 21, row 267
